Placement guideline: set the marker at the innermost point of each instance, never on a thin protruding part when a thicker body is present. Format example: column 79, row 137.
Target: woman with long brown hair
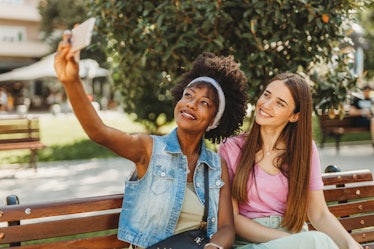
column 276, row 175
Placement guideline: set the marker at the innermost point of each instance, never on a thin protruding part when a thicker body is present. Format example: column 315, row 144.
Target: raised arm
column 136, row 148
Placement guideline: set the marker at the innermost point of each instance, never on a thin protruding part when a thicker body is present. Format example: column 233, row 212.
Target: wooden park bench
column 337, row 127
column 89, row 222
column 350, row 197
column 92, row 222
column 21, row 133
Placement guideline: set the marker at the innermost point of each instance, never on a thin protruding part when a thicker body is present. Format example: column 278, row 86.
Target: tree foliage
column 366, row 20
column 150, row 43
column 59, row 15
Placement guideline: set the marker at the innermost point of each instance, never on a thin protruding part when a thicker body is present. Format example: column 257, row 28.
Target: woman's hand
column 66, row 62
column 323, row 220
column 225, row 235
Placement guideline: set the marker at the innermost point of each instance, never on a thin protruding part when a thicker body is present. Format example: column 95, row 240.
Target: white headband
column 221, row 97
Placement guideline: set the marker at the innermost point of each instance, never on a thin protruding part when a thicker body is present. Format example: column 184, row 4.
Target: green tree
column 150, row 43
column 60, row 15
column 366, row 20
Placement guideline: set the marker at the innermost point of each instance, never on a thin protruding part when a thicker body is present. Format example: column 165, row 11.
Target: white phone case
column 81, row 35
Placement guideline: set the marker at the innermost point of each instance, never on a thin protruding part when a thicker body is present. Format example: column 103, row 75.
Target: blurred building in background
column 20, row 43
column 26, row 64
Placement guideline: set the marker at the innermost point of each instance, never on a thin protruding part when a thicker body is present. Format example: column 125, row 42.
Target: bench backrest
column 350, row 197
column 348, row 122
column 19, row 130
column 88, row 222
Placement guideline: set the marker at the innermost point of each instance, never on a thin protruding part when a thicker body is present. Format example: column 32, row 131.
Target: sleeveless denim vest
column 152, row 204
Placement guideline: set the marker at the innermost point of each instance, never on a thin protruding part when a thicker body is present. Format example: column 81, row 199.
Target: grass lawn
column 66, row 140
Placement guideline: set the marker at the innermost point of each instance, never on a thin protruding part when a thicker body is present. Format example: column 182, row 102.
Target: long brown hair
column 294, row 163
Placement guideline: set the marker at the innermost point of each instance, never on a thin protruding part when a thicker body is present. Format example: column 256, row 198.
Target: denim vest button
column 213, row 220
column 218, row 183
column 198, row 185
column 163, row 174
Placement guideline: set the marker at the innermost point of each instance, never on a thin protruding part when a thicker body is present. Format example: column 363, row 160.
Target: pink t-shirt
column 272, row 189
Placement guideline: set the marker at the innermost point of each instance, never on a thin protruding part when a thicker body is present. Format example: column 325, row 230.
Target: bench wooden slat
column 18, row 140
column 35, row 145
column 102, row 242
column 359, row 207
column 21, row 133
column 347, row 177
column 331, row 124
column 349, row 193
column 357, row 222
column 12, row 129
column 48, row 209
column 363, row 237
column 59, row 228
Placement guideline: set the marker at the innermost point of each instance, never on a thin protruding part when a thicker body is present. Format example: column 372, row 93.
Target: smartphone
column 81, row 35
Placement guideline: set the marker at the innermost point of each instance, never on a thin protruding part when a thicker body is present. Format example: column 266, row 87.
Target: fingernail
column 67, row 32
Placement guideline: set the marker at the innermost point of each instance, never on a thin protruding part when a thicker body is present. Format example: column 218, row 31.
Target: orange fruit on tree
column 325, row 18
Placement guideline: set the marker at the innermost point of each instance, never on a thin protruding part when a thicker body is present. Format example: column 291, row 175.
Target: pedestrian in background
column 3, row 100
column 361, row 109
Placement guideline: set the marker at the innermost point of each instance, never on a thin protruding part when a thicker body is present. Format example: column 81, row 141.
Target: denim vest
column 152, row 204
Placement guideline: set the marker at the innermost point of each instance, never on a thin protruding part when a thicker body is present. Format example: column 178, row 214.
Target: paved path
column 351, row 157
column 71, row 179
column 65, row 179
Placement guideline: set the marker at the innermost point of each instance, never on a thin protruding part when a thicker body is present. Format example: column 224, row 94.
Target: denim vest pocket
column 163, row 176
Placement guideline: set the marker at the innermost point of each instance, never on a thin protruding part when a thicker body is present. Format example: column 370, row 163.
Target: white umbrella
column 44, row 69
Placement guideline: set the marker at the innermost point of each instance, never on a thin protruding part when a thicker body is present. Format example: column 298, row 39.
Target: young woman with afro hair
column 165, row 194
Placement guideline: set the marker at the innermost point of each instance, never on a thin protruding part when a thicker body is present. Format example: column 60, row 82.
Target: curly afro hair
column 234, row 85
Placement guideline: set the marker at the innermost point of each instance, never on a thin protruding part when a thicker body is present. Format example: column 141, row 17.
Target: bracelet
column 213, row 244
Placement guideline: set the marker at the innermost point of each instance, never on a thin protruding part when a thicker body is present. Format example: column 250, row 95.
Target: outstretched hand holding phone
column 82, row 34
column 67, row 56
column 66, row 66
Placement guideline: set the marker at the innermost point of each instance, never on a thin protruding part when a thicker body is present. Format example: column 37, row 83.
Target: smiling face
column 196, row 109
column 276, row 106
